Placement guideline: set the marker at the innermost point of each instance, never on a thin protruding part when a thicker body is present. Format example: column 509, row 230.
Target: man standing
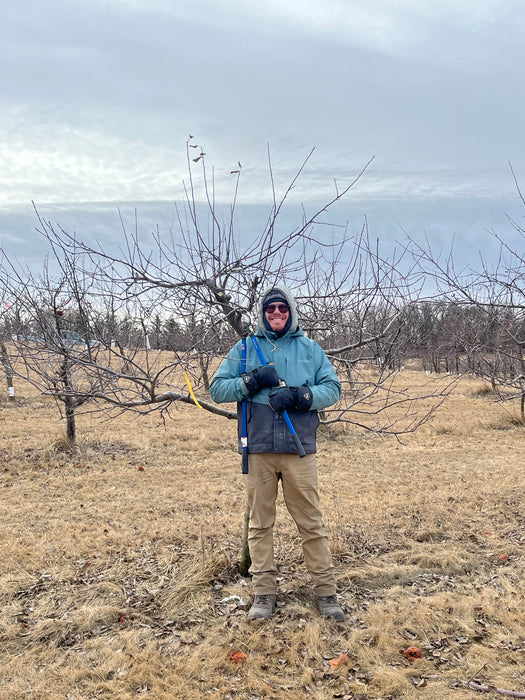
column 311, row 385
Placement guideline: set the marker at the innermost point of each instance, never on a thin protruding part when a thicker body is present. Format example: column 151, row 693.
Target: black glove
column 260, row 378
column 304, row 398
column 287, row 397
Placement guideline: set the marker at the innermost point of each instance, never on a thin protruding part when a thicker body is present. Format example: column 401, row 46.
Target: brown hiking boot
column 263, row 606
column 329, row 607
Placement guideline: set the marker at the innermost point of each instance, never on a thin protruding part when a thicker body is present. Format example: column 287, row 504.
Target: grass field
column 119, row 560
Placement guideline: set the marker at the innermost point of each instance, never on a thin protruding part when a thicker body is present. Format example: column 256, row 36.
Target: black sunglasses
column 283, row 308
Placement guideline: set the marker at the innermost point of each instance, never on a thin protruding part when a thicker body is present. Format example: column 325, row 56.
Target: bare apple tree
column 351, row 297
column 77, row 340
column 489, row 300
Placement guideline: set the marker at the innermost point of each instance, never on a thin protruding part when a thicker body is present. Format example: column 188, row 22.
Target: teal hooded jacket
column 298, row 360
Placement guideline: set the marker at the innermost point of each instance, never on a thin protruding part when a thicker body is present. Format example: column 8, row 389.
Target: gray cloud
column 99, row 97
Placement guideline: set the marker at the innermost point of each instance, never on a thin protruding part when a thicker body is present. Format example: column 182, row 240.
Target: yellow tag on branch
column 190, row 389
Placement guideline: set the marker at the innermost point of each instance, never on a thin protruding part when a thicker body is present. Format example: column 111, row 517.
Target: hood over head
column 276, row 293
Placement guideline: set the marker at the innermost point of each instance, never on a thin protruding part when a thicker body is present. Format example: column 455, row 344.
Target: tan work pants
column 300, row 491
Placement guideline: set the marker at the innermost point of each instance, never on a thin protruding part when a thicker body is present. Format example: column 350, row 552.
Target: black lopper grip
column 299, row 445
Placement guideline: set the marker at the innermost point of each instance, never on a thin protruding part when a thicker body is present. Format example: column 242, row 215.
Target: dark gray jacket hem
column 268, row 432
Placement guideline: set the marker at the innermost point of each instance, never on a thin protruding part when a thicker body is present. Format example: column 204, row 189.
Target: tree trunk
column 246, row 560
column 204, row 371
column 71, row 430
column 69, row 402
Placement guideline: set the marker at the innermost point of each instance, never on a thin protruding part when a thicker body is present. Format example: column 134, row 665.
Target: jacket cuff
column 244, row 389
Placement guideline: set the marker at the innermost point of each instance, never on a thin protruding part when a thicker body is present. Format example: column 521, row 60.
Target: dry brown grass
column 120, row 582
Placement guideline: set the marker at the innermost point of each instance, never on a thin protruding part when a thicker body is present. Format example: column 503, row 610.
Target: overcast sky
column 99, row 98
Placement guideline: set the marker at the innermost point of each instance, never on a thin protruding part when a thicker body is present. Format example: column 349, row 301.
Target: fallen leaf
column 238, row 657
column 413, row 653
column 334, row 663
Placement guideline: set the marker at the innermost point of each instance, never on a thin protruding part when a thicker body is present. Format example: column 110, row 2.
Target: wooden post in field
column 8, row 371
